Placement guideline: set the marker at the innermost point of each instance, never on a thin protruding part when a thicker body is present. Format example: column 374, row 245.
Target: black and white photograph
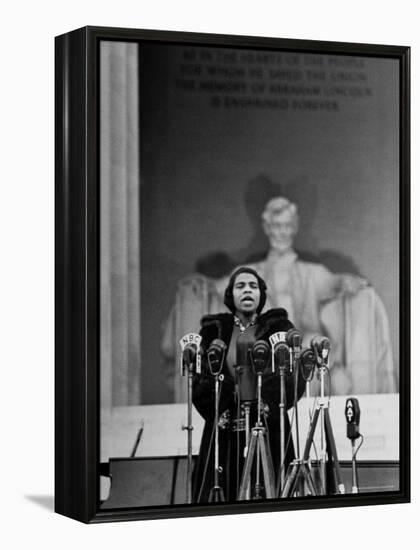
column 250, row 203
column 209, row 222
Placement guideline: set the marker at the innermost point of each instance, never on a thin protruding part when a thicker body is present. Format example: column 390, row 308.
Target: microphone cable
column 358, row 447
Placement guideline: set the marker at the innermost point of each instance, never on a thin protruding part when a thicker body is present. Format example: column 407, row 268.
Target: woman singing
column 245, row 297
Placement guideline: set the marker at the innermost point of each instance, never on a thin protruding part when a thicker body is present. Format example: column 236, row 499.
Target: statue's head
column 280, row 223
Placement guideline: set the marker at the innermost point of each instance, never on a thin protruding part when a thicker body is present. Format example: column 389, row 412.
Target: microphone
column 245, row 378
column 260, row 354
column 352, row 414
column 190, row 346
column 307, row 363
column 216, row 356
column 279, row 350
column 294, row 339
column 321, row 346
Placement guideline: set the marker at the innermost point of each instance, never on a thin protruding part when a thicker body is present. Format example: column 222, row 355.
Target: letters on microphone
column 190, row 346
column 280, row 351
column 352, row 414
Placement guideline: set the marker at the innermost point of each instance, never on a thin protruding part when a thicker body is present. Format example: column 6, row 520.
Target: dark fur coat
column 231, row 443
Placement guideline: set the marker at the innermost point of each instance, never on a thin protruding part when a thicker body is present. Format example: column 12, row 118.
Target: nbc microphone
column 190, row 362
column 190, row 346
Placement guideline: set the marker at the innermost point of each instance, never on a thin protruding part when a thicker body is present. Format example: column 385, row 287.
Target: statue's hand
column 352, row 284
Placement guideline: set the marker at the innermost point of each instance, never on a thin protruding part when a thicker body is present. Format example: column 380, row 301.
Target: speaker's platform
column 159, row 481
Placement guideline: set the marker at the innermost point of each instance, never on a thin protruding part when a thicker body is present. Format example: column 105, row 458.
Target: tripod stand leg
column 297, row 483
column 308, row 478
column 216, row 495
column 268, row 470
column 246, row 476
column 290, row 480
column 310, row 435
column 331, row 441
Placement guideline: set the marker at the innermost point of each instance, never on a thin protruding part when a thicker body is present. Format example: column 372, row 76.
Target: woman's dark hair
column 229, row 289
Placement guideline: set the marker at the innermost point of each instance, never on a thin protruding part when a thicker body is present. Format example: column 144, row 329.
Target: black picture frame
column 77, row 365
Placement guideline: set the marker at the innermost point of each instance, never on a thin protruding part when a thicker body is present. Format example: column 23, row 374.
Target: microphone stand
column 216, row 492
column 259, row 447
column 355, row 477
column 327, row 437
column 190, row 366
column 299, row 473
column 259, row 450
column 294, row 342
column 282, row 369
column 280, row 349
column 352, row 414
column 295, row 370
column 216, row 357
column 247, row 414
column 189, row 428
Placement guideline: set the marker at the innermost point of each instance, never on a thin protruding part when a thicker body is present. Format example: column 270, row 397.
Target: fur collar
column 220, row 325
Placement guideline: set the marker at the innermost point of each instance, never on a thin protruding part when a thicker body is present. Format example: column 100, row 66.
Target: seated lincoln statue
column 341, row 306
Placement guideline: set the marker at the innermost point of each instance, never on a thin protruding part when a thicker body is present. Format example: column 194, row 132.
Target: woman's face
column 246, row 293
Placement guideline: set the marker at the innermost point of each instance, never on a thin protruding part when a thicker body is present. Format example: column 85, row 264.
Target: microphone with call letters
column 280, row 359
column 190, row 363
column 191, row 356
column 352, row 414
column 280, row 352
